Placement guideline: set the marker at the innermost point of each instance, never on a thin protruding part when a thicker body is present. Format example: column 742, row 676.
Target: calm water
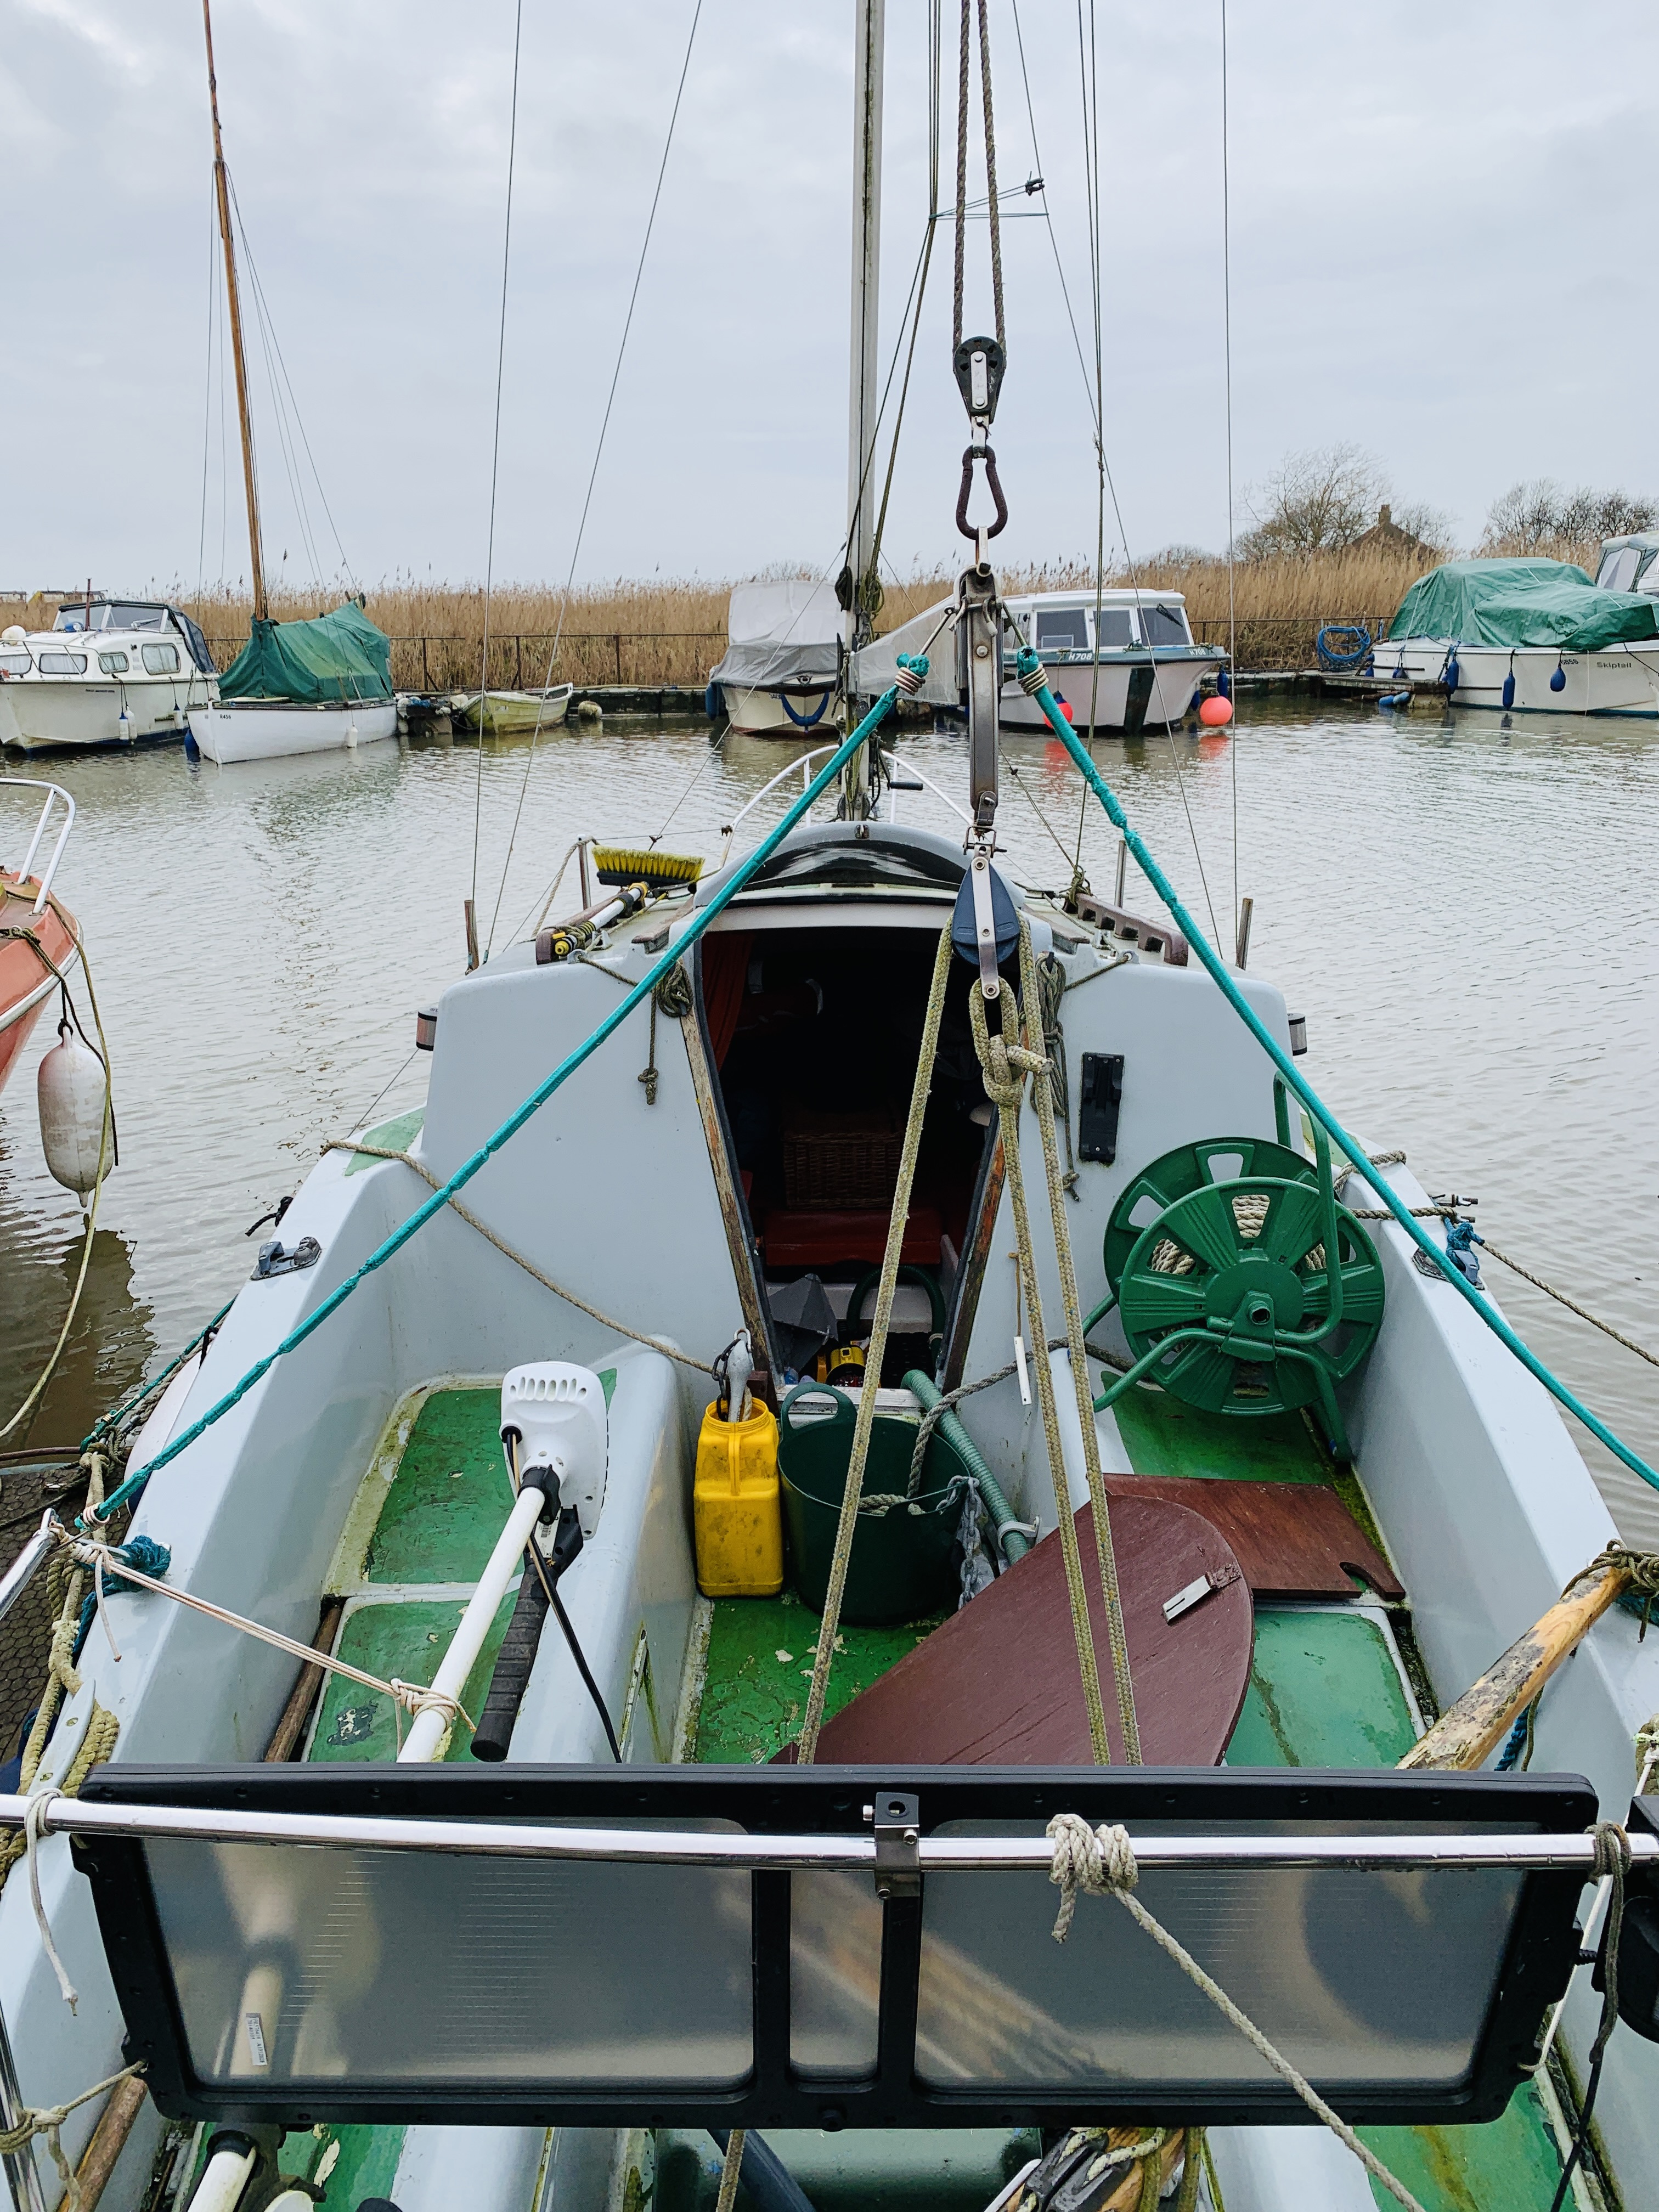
column 1465, row 913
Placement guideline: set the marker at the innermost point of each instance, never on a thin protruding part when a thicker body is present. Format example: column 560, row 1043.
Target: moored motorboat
column 109, row 672
column 512, row 714
column 783, row 661
column 1125, row 664
column 1529, row 636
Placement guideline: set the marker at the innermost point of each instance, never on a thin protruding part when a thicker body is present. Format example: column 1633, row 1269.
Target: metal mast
column 221, row 190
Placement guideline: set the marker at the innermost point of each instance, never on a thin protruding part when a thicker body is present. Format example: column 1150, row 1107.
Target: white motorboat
column 109, row 672
column 783, row 658
column 1139, row 666
column 1534, row 636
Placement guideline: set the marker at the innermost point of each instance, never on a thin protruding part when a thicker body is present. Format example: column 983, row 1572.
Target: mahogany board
column 999, row 1684
column 1293, row 1539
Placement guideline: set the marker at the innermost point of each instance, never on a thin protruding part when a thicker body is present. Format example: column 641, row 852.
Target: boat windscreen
column 1164, row 626
column 112, row 614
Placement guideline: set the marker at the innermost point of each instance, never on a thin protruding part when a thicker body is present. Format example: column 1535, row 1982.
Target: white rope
column 46, row 2120
column 33, row 1818
column 731, row 2170
column 412, row 1698
column 1102, row 1861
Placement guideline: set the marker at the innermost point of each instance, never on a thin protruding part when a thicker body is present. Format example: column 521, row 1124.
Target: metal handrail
column 723, row 1848
column 911, row 768
column 54, row 791
column 802, row 761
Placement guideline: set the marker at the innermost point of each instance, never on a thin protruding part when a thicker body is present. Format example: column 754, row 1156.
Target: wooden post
column 471, row 918
column 518, row 664
column 618, row 645
column 286, row 1735
column 426, row 674
column 109, row 2140
column 1467, row 1734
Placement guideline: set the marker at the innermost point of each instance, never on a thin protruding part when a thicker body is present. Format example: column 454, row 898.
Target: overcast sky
column 1439, row 235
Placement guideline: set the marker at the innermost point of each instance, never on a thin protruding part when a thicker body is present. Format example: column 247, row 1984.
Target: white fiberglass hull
column 1620, row 679
column 1173, row 688
column 764, row 715
column 49, row 712
column 271, row 729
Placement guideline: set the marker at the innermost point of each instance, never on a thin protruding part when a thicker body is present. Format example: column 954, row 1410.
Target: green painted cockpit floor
column 363, row 2163
column 760, row 1660
column 1164, row 1436
column 856, row 2170
column 446, row 1504
column 400, row 1640
column 1324, row 1692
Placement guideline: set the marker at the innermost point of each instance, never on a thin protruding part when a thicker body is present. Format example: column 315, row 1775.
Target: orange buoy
column 1216, row 713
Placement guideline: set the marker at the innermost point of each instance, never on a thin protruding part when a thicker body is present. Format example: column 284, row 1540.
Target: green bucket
column 901, row 1567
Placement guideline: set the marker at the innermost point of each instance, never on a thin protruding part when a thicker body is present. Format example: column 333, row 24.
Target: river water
column 1464, row 912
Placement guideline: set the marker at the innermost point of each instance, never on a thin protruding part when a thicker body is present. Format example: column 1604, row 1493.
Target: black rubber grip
column 512, row 1676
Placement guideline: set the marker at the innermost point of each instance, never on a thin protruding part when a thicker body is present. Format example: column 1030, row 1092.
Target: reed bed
column 673, row 631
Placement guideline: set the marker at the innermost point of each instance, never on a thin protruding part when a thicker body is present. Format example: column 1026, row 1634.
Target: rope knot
column 1613, row 1853
column 1092, row 1859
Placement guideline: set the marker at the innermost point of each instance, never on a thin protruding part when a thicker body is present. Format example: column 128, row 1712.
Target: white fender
column 71, row 1098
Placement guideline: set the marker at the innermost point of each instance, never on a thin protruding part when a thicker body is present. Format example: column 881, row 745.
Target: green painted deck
column 400, row 1640
column 760, row 1660
column 448, row 1500
column 1163, row 1437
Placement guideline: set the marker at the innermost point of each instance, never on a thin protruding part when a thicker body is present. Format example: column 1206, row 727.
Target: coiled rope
column 1101, row 1862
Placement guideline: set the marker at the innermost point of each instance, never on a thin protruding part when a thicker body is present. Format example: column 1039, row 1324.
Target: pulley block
column 1188, row 1168
column 1233, row 1276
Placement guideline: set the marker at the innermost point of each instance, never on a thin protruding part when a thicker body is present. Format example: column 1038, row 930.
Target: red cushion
column 819, row 1240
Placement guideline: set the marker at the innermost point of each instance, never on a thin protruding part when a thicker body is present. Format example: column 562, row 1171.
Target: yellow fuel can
column 736, row 1518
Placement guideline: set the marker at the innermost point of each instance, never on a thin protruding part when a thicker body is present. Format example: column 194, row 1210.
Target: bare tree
column 1313, row 503
column 1538, row 515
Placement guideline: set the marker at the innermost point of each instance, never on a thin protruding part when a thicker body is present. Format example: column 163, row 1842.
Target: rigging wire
column 593, row 475
column 269, row 322
column 1227, row 357
column 495, row 445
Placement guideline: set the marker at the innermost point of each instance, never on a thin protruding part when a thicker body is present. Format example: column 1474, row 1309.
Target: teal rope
column 515, row 1120
column 1029, row 664
column 106, row 1422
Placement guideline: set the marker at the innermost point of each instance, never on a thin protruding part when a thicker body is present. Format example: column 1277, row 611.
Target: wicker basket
column 840, row 1160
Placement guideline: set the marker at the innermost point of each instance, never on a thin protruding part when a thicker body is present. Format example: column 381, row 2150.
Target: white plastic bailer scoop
column 557, row 1412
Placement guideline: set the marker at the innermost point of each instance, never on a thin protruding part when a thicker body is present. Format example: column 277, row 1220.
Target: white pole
column 427, row 1733
column 222, row 2183
column 862, row 493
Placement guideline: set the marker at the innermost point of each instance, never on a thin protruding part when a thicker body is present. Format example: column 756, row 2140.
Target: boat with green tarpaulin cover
column 303, row 687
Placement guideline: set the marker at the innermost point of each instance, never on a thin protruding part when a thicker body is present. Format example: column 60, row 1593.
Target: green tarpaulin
column 339, row 656
column 1512, row 603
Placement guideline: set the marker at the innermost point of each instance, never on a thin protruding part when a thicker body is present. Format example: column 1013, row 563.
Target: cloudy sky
column 1439, row 232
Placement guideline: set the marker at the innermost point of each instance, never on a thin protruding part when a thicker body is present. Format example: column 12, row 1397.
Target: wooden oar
column 1467, row 1734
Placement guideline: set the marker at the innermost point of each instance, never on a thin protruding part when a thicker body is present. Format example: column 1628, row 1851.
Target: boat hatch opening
column 813, row 1032
column 739, row 1946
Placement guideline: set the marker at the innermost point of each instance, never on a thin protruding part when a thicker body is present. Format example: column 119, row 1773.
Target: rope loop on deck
column 1093, row 1860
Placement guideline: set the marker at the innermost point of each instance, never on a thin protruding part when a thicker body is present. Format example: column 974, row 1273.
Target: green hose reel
column 1217, row 1260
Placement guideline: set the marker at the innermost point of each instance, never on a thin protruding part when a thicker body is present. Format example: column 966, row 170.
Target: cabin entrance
column 814, row 1034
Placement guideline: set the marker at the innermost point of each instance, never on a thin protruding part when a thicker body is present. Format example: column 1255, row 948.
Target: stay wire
column 1088, row 70
column 592, row 474
column 496, row 443
column 293, row 401
column 280, row 411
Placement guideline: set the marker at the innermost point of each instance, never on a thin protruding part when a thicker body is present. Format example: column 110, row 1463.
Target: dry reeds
column 673, row 631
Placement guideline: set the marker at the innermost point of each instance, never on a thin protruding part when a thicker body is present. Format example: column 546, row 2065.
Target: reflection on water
column 1462, row 910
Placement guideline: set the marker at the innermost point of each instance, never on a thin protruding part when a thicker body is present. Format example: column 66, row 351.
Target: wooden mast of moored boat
column 858, row 575
column 222, row 192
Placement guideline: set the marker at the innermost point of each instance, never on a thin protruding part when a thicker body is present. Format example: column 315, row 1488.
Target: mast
column 869, row 31
column 222, row 192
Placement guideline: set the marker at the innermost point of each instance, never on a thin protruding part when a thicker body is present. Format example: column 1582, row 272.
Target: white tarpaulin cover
column 781, row 633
